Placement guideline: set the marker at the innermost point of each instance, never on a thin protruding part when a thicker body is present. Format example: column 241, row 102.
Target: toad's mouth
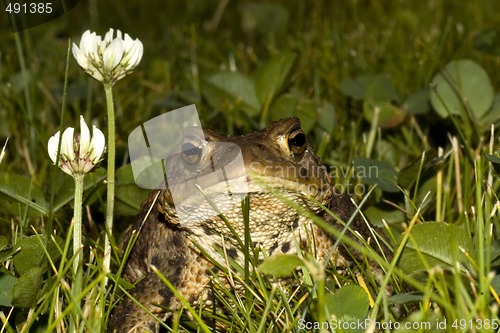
column 193, row 202
column 190, row 207
column 220, row 184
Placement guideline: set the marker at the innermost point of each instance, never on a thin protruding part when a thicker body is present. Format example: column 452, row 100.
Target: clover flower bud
column 77, row 155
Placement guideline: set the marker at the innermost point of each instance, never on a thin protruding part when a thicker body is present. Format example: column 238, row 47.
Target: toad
column 279, row 166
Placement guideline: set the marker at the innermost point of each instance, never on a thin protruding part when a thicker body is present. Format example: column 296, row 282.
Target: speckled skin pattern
column 281, row 157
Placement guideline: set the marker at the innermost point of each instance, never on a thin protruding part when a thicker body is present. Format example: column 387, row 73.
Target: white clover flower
column 110, row 59
column 78, row 155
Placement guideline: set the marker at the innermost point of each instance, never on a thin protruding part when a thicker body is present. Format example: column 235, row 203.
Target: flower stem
column 77, row 231
column 110, row 202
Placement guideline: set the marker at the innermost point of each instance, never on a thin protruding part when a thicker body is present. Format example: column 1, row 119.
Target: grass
column 445, row 179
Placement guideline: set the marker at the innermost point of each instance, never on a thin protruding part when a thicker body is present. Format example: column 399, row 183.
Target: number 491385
column 29, row 8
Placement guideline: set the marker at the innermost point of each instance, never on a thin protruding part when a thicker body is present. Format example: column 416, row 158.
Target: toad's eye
column 297, row 142
column 191, row 152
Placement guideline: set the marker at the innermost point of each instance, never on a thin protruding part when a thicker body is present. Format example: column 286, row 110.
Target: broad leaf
column 381, row 89
column 231, row 90
column 494, row 250
column 426, row 193
column 288, row 105
column 7, row 282
column 270, row 78
column 32, row 253
column 281, row 265
column 410, row 297
column 381, row 95
column 353, row 88
column 390, row 215
column 348, row 304
column 389, row 115
column 461, row 83
column 268, row 18
column 492, row 116
column 495, row 160
column 327, row 118
column 409, row 175
column 27, row 288
column 129, row 196
column 18, row 192
column 488, row 41
column 20, row 80
column 495, row 284
column 419, row 102
column 357, row 88
column 439, row 244
column 376, row 172
column 4, row 242
column 377, row 87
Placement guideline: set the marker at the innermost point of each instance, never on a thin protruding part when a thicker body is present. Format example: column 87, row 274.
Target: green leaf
column 32, row 253
column 495, row 160
column 231, row 90
column 17, row 192
column 439, row 244
column 129, row 199
column 349, row 304
column 7, row 282
column 380, row 94
column 409, row 175
column 376, row 172
column 493, row 115
column 410, row 297
column 125, row 175
column 356, row 88
column 426, row 193
column 389, row 115
column 419, row 102
column 266, row 17
column 20, row 80
column 381, row 89
column 270, row 78
column 288, row 105
column 495, row 283
column 281, row 265
column 419, row 170
column 129, row 196
column 4, row 242
column 494, row 250
column 353, row 88
column 376, row 87
column 462, row 82
column 488, row 41
column 387, row 213
column 8, row 252
column 327, row 118
column 27, row 288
